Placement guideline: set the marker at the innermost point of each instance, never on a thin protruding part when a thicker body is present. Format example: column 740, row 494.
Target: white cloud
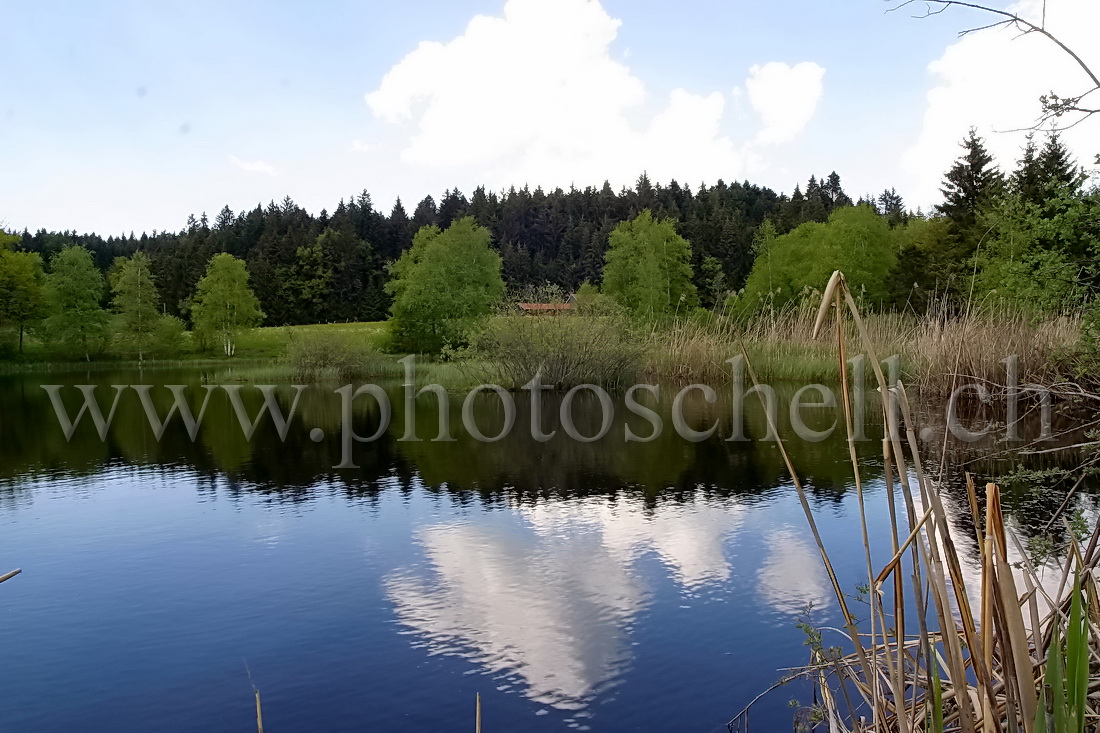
column 785, row 97
column 536, row 95
column 253, row 166
column 358, row 146
column 993, row 80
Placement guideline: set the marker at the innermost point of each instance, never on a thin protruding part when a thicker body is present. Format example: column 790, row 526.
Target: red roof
column 545, row 306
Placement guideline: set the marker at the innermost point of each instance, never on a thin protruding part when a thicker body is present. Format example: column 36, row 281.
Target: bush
column 315, row 355
column 168, row 336
column 567, row 349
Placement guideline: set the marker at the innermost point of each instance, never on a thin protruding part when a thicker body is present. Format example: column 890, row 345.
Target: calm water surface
column 605, row 586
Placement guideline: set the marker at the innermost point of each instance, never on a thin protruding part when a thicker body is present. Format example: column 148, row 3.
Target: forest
column 1022, row 238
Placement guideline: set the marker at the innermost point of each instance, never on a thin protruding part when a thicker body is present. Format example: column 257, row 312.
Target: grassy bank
column 255, row 345
column 935, row 352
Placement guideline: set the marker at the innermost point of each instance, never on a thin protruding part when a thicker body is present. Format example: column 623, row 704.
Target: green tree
column 136, row 300
column 308, row 281
column 855, row 240
column 22, row 290
column 892, row 206
column 714, row 279
column 648, row 268
column 1060, row 171
column 923, row 271
column 443, row 282
column 74, row 289
column 224, row 304
column 972, row 184
column 1027, row 180
column 1039, row 256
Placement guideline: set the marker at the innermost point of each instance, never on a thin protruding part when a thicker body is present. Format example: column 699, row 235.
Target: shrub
column 168, row 336
column 567, row 349
column 315, row 355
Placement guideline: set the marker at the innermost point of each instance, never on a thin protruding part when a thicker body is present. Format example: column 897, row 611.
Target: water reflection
column 792, row 579
column 547, row 597
column 559, row 568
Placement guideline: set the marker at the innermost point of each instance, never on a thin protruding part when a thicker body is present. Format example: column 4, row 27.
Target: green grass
column 258, row 344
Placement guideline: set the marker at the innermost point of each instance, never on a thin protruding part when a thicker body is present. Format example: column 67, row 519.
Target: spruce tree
column 1027, row 179
column 970, row 185
column 1060, row 173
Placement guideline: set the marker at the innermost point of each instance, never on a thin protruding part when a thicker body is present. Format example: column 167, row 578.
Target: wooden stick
column 10, row 575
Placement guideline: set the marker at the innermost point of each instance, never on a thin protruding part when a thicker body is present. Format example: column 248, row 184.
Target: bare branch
column 1054, row 106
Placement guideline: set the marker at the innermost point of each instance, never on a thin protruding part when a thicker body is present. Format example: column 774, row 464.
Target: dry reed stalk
column 999, row 666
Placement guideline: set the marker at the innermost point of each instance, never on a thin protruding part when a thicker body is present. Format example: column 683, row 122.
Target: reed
column 937, row 351
column 1005, row 649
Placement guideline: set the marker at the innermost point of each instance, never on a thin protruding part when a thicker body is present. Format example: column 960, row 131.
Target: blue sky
column 129, row 116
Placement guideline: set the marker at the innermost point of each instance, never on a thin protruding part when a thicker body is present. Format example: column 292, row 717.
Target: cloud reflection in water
column 548, row 599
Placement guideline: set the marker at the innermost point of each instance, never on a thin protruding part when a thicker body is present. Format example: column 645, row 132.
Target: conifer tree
column 970, row 185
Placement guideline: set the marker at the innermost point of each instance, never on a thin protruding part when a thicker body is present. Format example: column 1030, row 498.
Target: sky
column 129, row 116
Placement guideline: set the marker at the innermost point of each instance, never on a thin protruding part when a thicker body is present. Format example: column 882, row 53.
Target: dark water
column 607, row 586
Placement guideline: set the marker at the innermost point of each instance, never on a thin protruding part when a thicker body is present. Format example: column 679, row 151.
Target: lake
column 603, row 586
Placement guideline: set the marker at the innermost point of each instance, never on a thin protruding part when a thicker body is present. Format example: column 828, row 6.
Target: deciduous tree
column 224, row 304
column 74, row 289
column 443, row 282
column 648, row 268
column 22, row 290
column 137, row 301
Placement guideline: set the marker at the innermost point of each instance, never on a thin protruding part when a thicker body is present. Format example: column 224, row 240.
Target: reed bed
column 1010, row 648
column 937, row 351
column 973, row 345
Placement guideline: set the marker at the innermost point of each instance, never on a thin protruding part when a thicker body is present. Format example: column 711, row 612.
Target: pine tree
column 399, row 233
column 425, row 214
column 816, row 207
column 835, row 193
column 452, row 207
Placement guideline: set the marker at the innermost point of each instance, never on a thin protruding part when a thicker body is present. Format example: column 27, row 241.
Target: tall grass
column 1008, row 650
column 973, row 345
column 936, row 350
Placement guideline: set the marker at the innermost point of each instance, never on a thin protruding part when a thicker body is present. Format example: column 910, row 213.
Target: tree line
column 1026, row 237
column 333, row 266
